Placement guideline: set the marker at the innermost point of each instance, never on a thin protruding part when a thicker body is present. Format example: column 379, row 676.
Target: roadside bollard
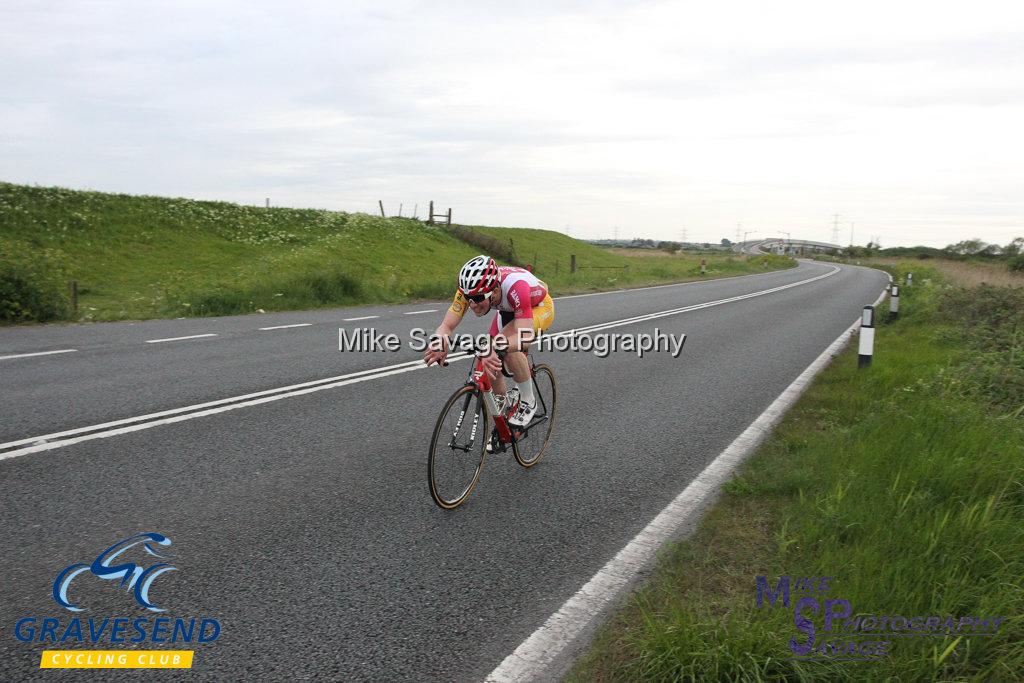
column 910, row 279
column 866, row 349
column 894, row 302
column 703, row 266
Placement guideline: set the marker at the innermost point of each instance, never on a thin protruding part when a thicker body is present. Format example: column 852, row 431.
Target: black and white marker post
column 867, row 337
column 894, row 302
column 910, row 279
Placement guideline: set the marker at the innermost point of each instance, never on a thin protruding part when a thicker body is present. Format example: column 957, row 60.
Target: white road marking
column 283, row 327
column 672, row 284
column 536, row 656
column 133, row 424
column 429, row 310
column 170, row 339
column 37, row 353
column 365, row 317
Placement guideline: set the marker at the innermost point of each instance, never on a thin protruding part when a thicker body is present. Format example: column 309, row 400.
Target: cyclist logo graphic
column 133, row 576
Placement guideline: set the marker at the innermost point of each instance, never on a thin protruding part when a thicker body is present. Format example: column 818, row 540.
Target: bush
column 1017, row 263
column 33, row 283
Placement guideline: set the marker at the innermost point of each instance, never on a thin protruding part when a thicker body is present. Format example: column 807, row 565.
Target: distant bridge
column 778, row 245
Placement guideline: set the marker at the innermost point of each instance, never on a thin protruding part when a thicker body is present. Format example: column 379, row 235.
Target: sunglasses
column 478, row 298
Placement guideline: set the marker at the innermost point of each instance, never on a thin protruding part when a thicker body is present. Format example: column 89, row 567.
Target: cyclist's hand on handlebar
column 492, row 363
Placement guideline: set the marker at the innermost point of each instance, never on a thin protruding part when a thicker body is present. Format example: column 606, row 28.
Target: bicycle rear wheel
column 532, row 443
column 457, row 447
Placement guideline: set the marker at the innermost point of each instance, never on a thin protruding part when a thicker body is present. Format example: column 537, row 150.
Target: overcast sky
column 905, row 118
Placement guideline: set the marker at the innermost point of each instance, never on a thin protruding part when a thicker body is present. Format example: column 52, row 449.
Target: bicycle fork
column 472, row 432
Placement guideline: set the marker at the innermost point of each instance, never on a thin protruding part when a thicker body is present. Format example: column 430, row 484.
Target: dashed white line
column 365, row 317
column 282, row 327
column 429, row 310
column 133, row 424
column 170, row 339
column 37, row 353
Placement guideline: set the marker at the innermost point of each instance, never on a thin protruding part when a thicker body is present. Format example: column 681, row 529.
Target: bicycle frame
column 478, row 377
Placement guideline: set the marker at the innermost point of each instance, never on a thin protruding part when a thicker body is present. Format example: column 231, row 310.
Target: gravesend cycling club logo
column 131, row 574
column 131, row 565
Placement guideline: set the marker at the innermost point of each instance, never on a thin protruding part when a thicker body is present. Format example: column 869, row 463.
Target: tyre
column 457, row 447
column 532, row 443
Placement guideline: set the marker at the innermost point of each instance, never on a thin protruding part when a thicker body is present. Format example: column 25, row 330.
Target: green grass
column 904, row 481
column 550, row 253
column 144, row 257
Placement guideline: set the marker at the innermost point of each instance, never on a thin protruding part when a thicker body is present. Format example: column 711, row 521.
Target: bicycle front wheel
column 458, row 447
column 532, row 443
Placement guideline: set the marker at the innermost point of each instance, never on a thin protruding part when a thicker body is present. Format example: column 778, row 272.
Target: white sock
column 526, row 391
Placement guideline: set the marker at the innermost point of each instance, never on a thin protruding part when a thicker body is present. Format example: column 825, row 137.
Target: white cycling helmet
column 478, row 276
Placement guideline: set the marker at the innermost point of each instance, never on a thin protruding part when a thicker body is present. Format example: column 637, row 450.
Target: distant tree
column 1015, row 247
column 726, row 242
column 670, row 247
column 966, row 247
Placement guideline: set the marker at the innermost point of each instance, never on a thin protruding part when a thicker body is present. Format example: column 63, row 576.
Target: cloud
column 901, row 117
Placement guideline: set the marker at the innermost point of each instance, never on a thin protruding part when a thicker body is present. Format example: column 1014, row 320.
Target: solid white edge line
column 429, row 310
column 37, row 353
column 365, row 317
column 47, row 441
column 580, row 613
column 284, row 327
column 675, row 284
column 170, row 339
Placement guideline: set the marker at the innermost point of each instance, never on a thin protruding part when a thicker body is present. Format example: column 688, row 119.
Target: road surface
column 300, row 517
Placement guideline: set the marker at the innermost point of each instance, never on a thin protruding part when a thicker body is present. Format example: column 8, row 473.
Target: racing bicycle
column 464, row 434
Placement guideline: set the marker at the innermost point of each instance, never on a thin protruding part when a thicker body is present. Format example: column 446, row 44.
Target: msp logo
column 131, row 574
column 846, row 634
column 137, row 577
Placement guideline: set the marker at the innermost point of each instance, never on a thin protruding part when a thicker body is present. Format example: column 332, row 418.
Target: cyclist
column 523, row 307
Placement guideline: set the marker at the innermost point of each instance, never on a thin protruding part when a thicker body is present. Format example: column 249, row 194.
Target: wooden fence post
column 449, row 217
column 572, row 263
column 381, row 208
column 431, row 218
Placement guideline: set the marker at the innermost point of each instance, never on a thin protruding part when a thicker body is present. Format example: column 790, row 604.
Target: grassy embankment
column 904, row 482
column 146, row 257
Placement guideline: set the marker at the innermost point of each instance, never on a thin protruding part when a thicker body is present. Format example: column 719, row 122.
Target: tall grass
column 964, row 273
column 32, row 283
column 144, row 257
column 904, row 481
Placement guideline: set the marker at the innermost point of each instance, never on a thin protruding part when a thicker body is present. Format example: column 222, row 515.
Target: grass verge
column 904, row 482
column 148, row 257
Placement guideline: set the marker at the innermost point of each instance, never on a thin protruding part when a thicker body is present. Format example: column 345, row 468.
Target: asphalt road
column 303, row 523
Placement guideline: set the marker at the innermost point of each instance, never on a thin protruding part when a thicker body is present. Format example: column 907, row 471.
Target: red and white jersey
column 521, row 290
